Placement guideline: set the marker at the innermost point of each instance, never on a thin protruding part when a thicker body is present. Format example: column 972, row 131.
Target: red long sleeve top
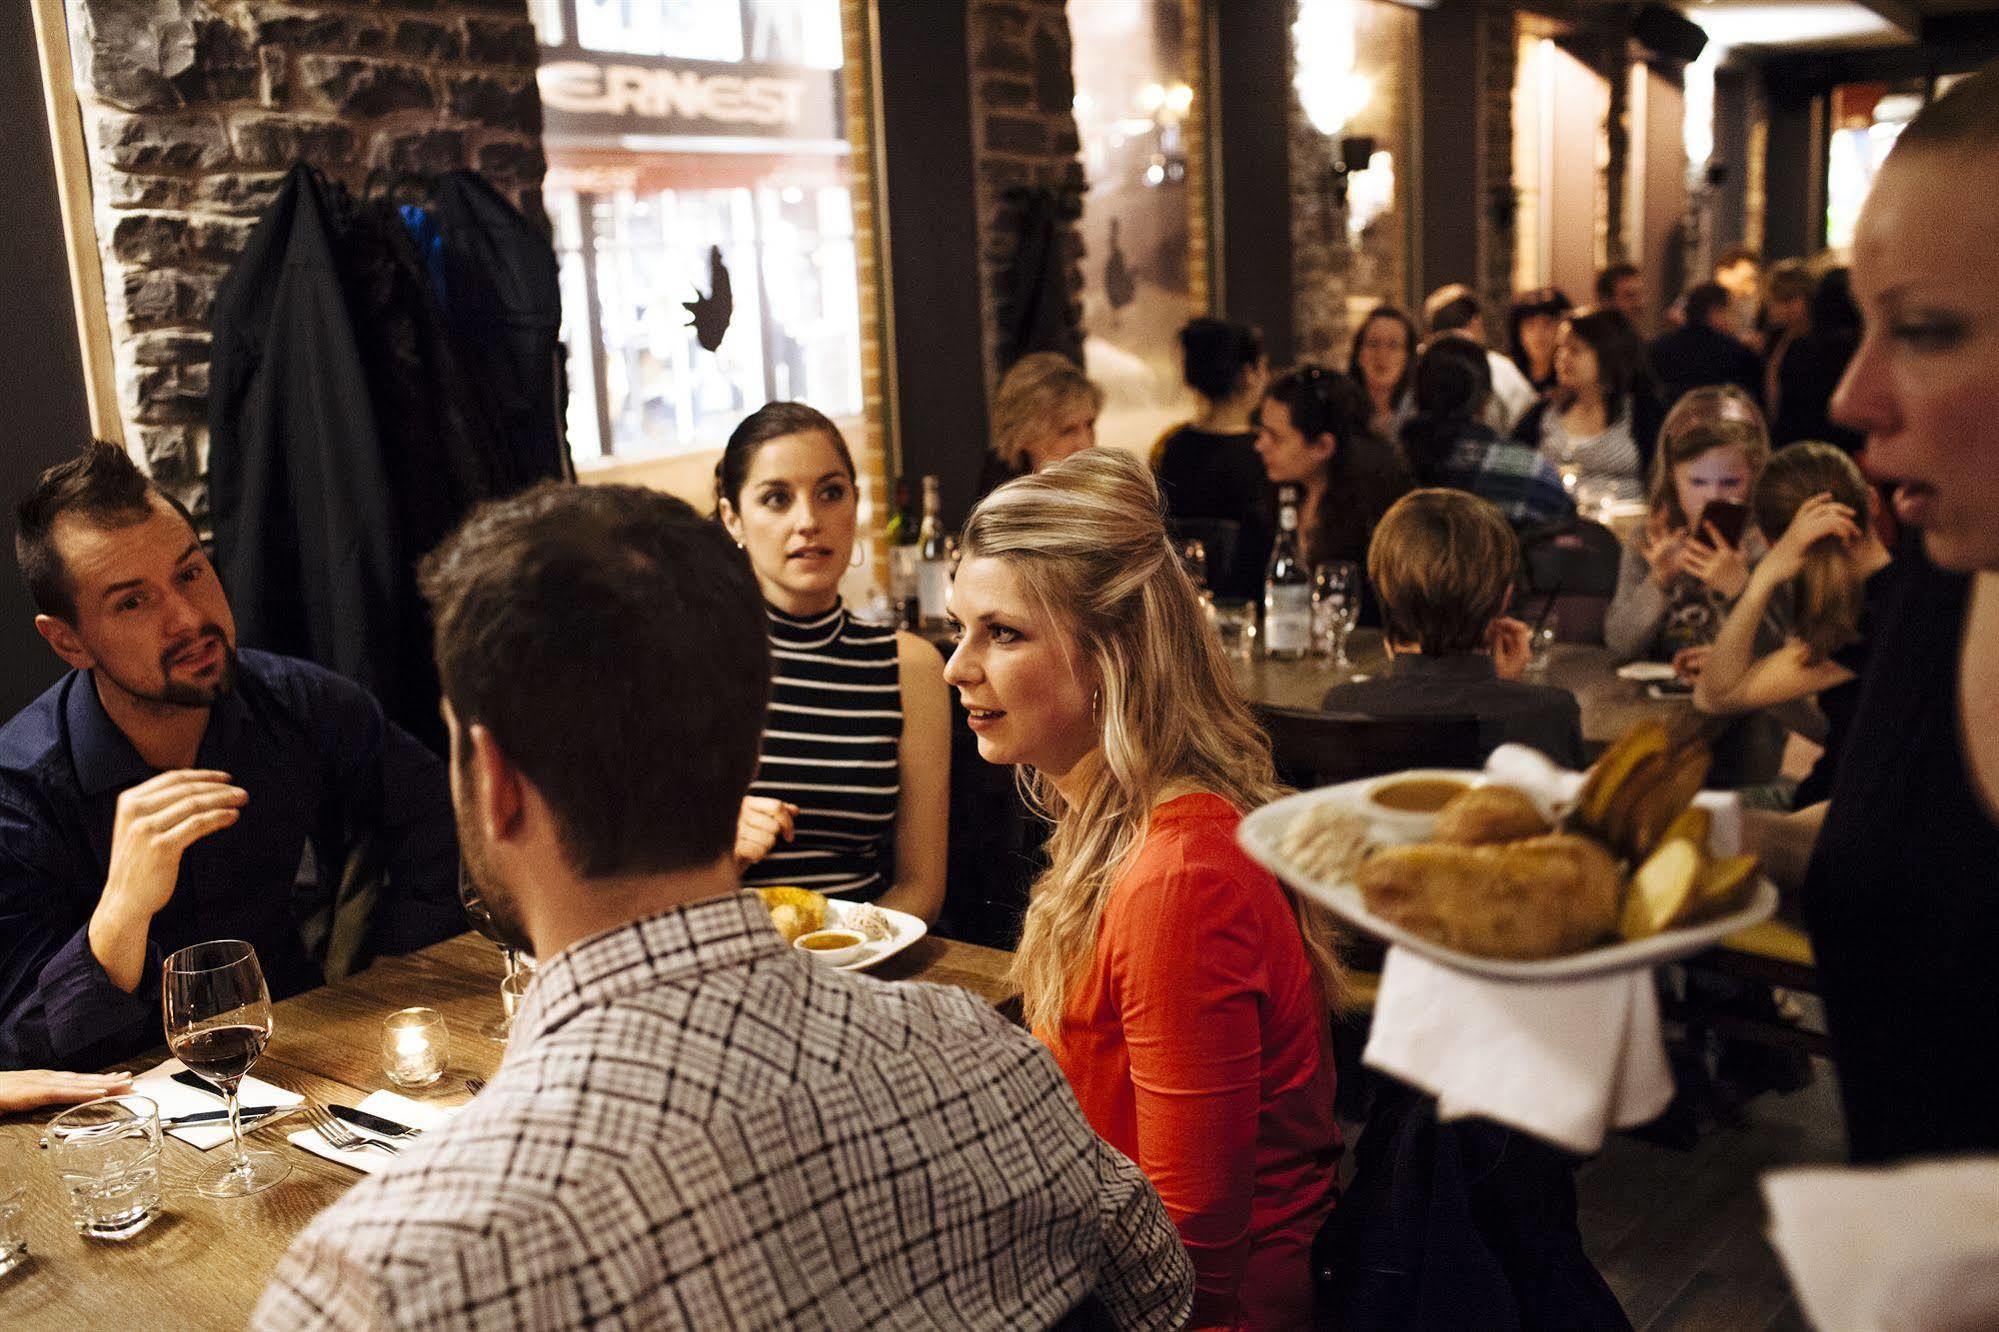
column 1198, row 1045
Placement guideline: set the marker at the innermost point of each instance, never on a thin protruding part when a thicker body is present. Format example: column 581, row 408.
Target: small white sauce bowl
column 832, row 957
column 1392, row 826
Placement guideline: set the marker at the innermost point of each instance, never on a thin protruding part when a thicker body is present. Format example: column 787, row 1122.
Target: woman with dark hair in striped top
column 851, row 796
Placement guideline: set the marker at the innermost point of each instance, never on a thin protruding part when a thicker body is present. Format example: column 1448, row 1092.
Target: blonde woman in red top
column 1182, row 990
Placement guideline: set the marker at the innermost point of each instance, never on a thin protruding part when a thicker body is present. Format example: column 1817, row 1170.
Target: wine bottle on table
column 933, row 557
column 1287, row 588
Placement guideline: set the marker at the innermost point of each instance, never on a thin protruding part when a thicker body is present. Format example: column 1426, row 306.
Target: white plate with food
column 1647, row 672
column 1491, row 888
column 883, row 931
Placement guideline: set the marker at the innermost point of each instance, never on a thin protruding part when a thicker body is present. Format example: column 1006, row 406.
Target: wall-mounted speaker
column 1667, row 32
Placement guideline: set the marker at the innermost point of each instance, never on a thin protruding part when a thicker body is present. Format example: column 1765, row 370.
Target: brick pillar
column 194, row 109
column 1023, row 135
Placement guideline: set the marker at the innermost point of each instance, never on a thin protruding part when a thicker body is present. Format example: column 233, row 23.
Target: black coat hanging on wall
column 353, row 423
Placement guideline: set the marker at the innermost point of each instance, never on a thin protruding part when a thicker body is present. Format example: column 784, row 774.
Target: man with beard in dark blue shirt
column 164, row 791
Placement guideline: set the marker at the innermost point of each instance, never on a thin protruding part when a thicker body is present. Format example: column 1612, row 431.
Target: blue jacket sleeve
column 58, row 1009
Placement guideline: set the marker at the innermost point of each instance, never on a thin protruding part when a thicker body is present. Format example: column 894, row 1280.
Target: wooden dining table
column 1610, row 706
column 204, row 1262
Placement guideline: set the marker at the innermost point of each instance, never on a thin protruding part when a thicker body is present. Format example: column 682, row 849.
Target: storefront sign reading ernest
column 592, row 94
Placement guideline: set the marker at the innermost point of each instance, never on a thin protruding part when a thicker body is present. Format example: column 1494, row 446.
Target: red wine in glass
column 218, row 1020
column 222, row 1054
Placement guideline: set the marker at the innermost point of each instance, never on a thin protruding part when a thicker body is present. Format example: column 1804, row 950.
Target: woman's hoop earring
column 858, row 558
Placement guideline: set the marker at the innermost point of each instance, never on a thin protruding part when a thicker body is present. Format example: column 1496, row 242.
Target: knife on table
column 250, row 1117
column 201, row 1084
column 388, row 1128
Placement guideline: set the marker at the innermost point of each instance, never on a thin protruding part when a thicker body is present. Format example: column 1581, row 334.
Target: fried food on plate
column 1662, row 802
column 1723, row 884
column 1662, row 892
column 1328, row 840
column 1488, row 814
column 1525, row 900
column 795, row 911
column 1641, row 742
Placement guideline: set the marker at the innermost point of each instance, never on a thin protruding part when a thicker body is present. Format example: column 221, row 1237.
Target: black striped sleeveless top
column 830, row 747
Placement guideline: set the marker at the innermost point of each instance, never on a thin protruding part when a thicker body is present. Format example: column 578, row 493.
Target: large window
column 699, row 190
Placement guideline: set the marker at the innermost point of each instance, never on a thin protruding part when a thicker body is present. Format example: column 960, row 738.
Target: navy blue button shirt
column 321, row 765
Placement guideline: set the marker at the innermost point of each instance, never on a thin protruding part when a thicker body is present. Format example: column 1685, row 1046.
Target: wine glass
column 218, row 1020
column 1335, row 608
column 498, row 1030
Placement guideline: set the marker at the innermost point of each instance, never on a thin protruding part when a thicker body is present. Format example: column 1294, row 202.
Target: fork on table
column 339, row 1137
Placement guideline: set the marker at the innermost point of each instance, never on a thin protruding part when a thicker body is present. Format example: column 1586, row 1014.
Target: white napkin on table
column 1564, row 1060
column 367, row 1160
column 1913, row 1246
column 175, row 1099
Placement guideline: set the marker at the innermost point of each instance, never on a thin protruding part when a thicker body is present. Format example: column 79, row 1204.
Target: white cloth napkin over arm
column 174, row 1098
column 1563, row 1060
column 1913, row 1246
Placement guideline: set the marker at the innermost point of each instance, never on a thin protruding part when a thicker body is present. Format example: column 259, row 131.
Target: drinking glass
column 107, row 1153
column 218, row 1018
column 1540, row 646
column 1235, row 622
column 13, row 1193
column 1194, row 554
column 1335, row 609
column 499, row 1029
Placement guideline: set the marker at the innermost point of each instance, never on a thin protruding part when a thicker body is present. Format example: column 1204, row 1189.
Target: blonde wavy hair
column 1088, row 543
column 1038, row 387
column 1829, row 591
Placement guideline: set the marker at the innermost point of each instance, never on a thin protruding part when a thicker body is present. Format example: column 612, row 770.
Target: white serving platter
column 1262, row 835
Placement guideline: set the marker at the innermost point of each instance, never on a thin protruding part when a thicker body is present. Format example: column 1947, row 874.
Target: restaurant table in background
column 1610, row 706
column 205, row 1261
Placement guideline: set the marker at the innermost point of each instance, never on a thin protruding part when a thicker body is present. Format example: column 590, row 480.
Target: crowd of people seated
column 648, row 708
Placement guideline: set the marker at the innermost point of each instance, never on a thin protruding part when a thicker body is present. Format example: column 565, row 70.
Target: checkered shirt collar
column 678, row 946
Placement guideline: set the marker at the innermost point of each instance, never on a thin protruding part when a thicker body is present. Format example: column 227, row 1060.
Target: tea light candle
column 414, row 1046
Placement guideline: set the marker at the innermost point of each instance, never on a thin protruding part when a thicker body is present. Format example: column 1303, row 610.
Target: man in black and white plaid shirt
column 695, row 1125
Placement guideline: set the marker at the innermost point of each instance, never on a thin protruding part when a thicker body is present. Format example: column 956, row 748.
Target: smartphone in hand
column 1728, row 518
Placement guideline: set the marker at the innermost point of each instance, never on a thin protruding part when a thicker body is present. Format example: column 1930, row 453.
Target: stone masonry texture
column 193, row 111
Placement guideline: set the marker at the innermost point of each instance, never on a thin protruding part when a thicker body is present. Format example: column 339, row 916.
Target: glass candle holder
column 415, row 1046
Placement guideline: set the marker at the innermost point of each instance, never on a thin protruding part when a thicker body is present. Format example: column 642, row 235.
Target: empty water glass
column 107, row 1153
column 1235, row 622
column 13, row 1192
column 1540, row 646
column 1335, row 609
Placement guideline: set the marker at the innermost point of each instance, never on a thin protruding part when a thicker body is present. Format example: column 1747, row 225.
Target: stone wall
column 1333, row 279
column 1498, row 204
column 1023, row 136
column 194, row 109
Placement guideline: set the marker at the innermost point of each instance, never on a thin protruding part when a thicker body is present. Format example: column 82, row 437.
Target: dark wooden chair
column 1573, row 565
column 1325, row 748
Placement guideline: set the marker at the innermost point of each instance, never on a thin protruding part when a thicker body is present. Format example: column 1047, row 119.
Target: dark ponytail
column 1452, row 382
